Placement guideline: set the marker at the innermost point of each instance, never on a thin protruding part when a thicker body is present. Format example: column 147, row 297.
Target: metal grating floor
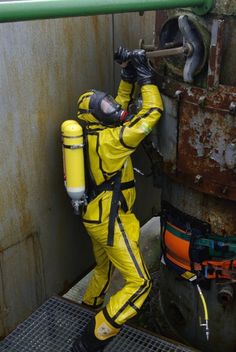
column 53, row 326
column 76, row 293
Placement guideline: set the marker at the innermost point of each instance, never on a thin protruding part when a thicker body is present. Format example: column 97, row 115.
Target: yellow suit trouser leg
column 126, row 257
column 100, row 280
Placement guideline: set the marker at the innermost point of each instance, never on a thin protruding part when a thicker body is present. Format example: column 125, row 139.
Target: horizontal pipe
column 23, row 10
column 167, row 52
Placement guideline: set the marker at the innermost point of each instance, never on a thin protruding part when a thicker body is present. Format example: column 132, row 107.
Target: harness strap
column 117, row 196
column 109, row 186
column 114, row 209
column 113, row 184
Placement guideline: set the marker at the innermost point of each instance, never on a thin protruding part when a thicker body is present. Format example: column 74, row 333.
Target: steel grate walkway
column 54, row 325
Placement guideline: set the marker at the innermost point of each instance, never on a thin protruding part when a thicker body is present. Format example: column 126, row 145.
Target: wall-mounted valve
column 179, row 37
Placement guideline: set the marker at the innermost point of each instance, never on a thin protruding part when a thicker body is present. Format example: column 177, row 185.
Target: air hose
column 206, row 325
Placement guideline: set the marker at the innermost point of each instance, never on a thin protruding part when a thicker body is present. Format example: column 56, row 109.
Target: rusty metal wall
column 199, row 152
column 206, row 116
column 44, row 67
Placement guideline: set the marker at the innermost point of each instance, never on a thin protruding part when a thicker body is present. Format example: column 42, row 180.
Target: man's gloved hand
column 145, row 74
column 122, row 57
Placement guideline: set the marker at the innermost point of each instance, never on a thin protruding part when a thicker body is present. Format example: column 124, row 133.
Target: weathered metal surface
column 207, row 130
column 228, row 64
column 226, row 7
column 182, row 311
column 203, row 139
column 206, row 119
column 215, row 54
column 168, row 133
column 22, row 261
column 201, row 181
column 219, row 213
column 44, row 67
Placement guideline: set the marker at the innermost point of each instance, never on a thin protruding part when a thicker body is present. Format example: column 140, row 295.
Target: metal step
column 54, row 326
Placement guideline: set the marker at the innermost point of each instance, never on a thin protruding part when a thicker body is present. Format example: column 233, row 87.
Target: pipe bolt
column 198, row 179
column 202, row 101
column 178, row 94
column 225, row 294
column 232, row 108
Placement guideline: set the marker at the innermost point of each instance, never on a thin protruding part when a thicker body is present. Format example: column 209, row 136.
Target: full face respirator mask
column 106, row 110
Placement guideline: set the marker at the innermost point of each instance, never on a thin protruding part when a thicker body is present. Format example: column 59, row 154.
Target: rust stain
column 215, row 56
column 206, row 129
column 15, row 243
column 96, row 26
column 203, row 138
column 221, row 216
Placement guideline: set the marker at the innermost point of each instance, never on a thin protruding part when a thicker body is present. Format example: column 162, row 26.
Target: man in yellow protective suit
column 111, row 136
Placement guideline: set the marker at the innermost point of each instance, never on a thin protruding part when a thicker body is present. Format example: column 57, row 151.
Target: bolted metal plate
column 206, row 153
column 55, row 325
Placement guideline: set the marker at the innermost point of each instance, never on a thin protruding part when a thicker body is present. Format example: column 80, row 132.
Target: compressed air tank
column 73, row 159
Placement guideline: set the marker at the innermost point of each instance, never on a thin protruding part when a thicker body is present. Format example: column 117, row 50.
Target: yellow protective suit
column 108, row 218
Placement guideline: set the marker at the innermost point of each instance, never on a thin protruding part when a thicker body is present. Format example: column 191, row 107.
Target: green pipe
column 23, row 10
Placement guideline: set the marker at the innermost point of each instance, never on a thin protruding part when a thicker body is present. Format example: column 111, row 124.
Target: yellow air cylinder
column 73, row 159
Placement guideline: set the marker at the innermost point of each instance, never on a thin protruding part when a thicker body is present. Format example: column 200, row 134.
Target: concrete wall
column 44, row 67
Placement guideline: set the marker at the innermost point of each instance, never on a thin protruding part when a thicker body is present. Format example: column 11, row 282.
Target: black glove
column 145, row 74
column 122, row 57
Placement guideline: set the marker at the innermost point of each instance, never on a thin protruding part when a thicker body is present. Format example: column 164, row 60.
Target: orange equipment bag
column 189, row 246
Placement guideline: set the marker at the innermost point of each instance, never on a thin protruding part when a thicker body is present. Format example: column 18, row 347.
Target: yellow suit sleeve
column 116, row 144
column 125, row 94
column 135, row 130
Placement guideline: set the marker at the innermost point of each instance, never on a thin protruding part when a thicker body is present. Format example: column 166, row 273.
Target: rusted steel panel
column 207, row 128
column 218, row 212
column 168, row 133
column 215, row 55
column 203, row 139
column 204, row 182
column 207, row 131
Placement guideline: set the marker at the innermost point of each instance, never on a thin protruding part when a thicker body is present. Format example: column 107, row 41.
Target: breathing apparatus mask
column 106, row 110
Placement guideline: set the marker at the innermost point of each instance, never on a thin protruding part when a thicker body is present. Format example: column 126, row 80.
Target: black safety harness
column 113, row 184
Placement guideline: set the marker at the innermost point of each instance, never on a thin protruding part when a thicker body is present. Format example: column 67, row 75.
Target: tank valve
column 225, row 294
